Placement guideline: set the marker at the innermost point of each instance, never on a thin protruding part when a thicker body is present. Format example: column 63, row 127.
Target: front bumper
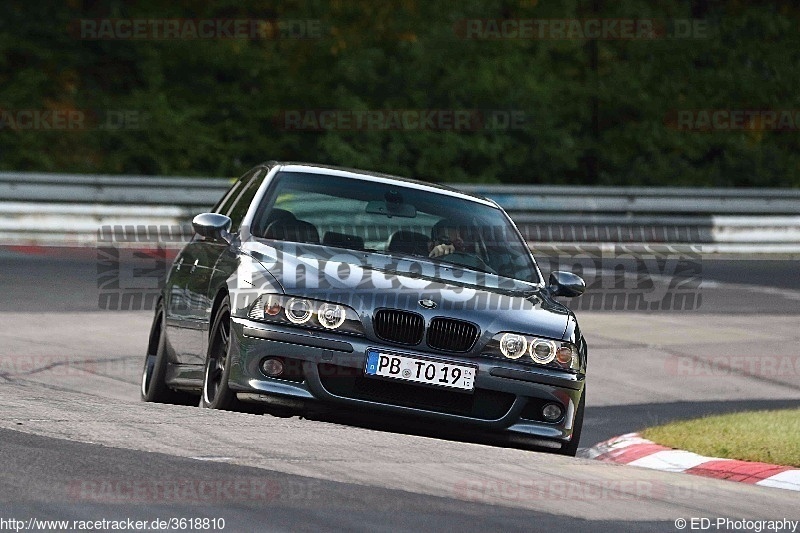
column 507, row 397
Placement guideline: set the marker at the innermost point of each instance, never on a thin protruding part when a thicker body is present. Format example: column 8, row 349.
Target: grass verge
column 764, row 436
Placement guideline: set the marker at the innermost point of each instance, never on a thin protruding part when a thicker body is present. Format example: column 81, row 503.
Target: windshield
column 393, row 219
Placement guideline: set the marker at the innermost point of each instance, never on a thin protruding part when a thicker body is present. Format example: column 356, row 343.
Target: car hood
column 368, row 281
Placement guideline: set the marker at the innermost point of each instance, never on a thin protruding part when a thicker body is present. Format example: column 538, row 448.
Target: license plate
column 417, row 370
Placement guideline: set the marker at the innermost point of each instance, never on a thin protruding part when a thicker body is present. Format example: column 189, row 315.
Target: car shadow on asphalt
column 601, row 423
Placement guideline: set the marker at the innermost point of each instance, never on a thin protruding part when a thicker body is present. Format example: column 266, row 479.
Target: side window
column 241, row 201
column 224, row 205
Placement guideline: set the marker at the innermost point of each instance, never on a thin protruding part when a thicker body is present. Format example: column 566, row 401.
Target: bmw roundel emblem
column 428, row 304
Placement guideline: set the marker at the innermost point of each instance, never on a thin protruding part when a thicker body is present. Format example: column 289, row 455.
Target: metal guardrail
column 113, row 190
column 642, row 200
column 46, row 208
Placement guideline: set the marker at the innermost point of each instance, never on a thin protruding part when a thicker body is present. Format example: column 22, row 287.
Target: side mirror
column 566, row 284
column 213, row 226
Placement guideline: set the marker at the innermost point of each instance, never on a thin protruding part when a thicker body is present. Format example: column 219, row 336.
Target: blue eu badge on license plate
column 372, row 362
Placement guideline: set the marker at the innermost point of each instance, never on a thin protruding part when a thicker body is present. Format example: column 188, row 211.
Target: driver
column 448, row 237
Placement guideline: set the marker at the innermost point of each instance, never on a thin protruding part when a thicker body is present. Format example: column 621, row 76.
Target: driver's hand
column 442, row 249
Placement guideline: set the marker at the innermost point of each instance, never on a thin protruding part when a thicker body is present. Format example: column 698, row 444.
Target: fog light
column 552, row 412
column 272, row 366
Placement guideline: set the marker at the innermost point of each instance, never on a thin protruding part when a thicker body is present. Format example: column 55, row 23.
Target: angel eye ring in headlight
column 298, row 311
column 513, row 346
column 331, row 316
column 543, row 351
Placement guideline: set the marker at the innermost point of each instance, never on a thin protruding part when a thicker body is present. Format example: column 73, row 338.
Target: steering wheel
column 468, row 260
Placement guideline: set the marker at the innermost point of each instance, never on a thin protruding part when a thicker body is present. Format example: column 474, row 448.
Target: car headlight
column 331, row 316
column 298, row 311
column 543, row 352
column 513, row 346
column 567, row 354
column 305, row 312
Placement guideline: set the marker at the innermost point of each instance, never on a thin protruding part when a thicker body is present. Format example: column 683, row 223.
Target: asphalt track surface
column 77, row 444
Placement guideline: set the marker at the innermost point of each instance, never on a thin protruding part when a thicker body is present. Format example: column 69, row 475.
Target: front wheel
column 216, row 394
column 571, row 449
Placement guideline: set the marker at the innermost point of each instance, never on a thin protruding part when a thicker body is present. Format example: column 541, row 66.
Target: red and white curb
column 632, row 449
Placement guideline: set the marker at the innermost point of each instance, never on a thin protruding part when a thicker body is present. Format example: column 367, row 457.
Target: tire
column 215, row 393
column 153, row 385
column 571, row 449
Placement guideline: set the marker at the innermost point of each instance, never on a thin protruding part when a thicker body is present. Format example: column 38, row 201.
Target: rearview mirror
column 212, row 226
column 391, row 209
column 566, row 284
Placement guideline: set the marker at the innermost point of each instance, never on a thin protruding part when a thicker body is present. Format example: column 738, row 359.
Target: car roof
column 313, row 168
